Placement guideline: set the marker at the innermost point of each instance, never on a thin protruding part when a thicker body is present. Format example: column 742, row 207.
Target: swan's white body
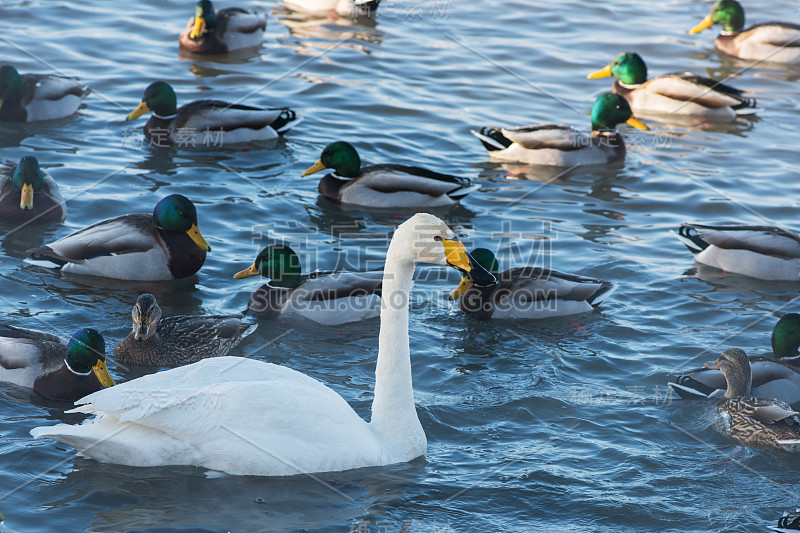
column 247, row 417
column 344, row 8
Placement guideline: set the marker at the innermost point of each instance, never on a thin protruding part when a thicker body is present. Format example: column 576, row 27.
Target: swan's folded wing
column 545, row 136
column 686, row 86
column 121, row 235
column 765, row 240
column 401, row 178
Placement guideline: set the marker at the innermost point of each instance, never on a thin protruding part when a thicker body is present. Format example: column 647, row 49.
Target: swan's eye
column 437, row 238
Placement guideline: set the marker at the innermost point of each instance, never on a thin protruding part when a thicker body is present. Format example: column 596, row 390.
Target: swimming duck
column 223, row 31
column 163, row 246
column 384, row 186
column 770, row 378
column 267, row 419
column 777, row 42
column 762, row 252
column 755, row 422
column 681, row 93
column 528, row 292
column 177, row 340
column 342, row 8
column 29, row 194
column 32, row 97
column 207, row 122
column 562, row 146
column 54, row 368
column 328, row 298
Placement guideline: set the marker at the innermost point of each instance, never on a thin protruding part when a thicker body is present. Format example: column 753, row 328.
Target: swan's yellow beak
column 26, row 198
column 704, row 25
column 458, row 258
column 102, row 374
column 247, row 272
column 316, row 167
column 199, row 28
column 139, row 111
column 604, row 73
column 463, row 287
column 197, row 237
column 636, row 123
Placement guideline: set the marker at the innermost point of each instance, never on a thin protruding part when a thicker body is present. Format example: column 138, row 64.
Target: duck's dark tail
column 286, row 121
column 492, row 139
column 689, row 237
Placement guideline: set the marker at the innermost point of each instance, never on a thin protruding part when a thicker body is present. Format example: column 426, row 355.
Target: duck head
column 340, row 156
column 727, row 13
column 278, row 263
column 27, row 179
column 484, row 258
column 10, row 84
column 146, row 314
column 786, row 336
column 611, row 109
column 628, row 68
column 177, row 213
column 205, row 19
column 86, row 353
column 159, row 97
column 735, row 366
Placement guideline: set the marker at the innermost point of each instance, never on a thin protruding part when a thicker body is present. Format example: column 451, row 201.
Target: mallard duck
column 562, row 146
column 762, row 252
column 384, row 186
column 32, row 97
column 777, row 42
column 267, row 419
column 54, row 368
column 342, row 8
column 681, row 93
column 29, row 194
column 177, row 340
column 207, row 122
column 770, row 378
column 755, row 422
column 223, row 31
column 528, row 292
column 163, row 246
column 326, row 297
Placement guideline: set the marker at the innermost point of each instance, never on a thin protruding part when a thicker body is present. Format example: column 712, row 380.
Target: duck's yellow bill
column 315, row 168
column 197, row 237
column 463, row 287
column 704, row 25
column 102, row 374
column 247, row 272
column 199, row 28
column 139, row 111
column 605, row 72
column 26, row 197
column 636, row 123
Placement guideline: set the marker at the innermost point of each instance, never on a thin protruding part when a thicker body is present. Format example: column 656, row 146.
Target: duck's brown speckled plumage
column 180, row 340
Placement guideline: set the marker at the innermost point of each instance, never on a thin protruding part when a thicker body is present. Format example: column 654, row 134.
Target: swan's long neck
column 393, row 413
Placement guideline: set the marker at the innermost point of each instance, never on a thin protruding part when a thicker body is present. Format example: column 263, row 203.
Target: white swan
column 242, row 416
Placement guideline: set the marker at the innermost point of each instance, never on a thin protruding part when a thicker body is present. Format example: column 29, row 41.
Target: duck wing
column 216, row 115
column 686, row 86
column 401, row 178
column 334, row 285
column 115, row 236
column 538, row 284
column 189, row 331
column 764, row 240
column 238, row 20
column 22, row 348
column 46, row 87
